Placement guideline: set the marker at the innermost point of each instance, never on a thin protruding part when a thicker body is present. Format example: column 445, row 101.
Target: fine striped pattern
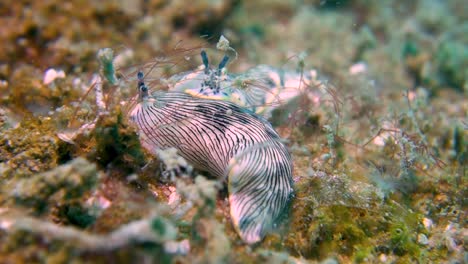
column 229, row 142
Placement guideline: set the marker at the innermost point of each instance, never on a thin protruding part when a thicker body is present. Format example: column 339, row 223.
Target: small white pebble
column 380, row 139
column 3, row 83
column 5, row 224
column 422, row 239
column 325, row 157
column 223, row 43
column 98, row 201
column 412, row 95
column 67, row 137
column 124, row 58
column 383, row 258
column 357, row 68
column 427, row 223
column 313, row 74
column 174, row 197
column 77, row 82
column 51, row 74
column 132, row 177
column 180, row 248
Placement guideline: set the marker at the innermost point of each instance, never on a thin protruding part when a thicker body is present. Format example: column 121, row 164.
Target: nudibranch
column 225, row 139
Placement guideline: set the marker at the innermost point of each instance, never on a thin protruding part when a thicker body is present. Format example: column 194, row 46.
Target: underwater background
column 378, row 143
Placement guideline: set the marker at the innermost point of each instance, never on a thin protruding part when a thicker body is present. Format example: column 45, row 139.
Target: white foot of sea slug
column 229, row 142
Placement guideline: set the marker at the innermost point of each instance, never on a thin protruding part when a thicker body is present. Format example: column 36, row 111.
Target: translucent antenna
column 205, row 60
column 223, row 62
column 142, row 88
column 140, row 76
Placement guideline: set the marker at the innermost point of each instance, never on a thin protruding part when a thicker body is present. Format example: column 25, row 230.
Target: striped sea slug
column 227, row 140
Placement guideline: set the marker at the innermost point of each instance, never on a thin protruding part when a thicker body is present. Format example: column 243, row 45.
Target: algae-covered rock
column 133, row 233
column 59, row 186
column 27, row 149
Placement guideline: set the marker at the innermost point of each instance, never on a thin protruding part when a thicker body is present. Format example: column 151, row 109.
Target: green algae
column 450, row 59
column 117, row 144
column 336, row 220
column 106, row 60
column 77, row 215
column 343, row 224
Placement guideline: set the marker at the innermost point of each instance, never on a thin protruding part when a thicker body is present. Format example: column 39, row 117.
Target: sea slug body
column 229, row 142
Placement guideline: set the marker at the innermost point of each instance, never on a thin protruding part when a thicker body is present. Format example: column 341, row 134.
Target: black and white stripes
column 226, row 141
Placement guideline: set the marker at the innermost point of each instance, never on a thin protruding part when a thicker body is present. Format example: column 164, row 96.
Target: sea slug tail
column 260, row 189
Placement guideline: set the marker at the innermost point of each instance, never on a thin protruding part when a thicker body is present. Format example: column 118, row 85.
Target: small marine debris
column 428, row 223
column 51, row 75
column 358, row 68
column 452, row 235
column 422, row 239
column 175, row 165
column 3, row 84
column 177, row 247
column 174, row 198
column 223, row 44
